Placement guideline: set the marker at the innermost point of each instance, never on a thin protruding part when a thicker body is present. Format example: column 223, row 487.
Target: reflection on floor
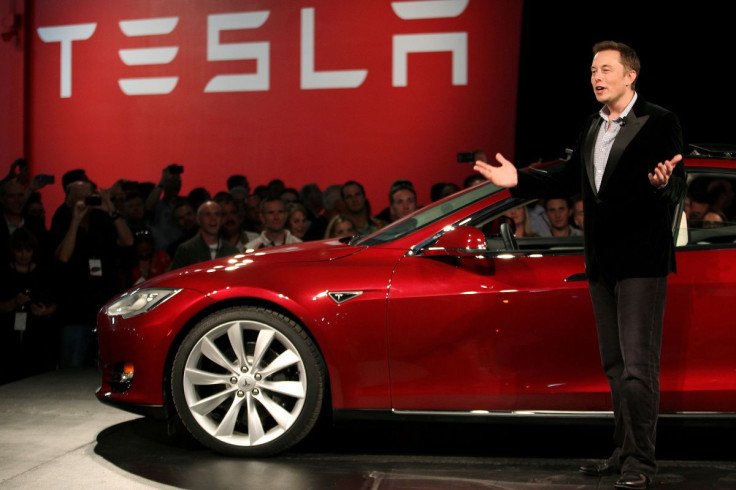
column 53, row 430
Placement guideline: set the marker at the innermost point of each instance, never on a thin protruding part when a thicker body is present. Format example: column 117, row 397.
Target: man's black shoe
column 634, row 481
column 599, row 469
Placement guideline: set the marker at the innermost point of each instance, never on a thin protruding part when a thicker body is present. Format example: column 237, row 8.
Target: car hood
column 194, row 276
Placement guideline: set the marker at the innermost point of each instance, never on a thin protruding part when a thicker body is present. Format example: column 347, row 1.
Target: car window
column 428, row 214
column 709, row 216
column 529, row 227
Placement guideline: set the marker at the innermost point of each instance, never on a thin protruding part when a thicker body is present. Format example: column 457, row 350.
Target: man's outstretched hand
column 663, row 171
column 502, row 172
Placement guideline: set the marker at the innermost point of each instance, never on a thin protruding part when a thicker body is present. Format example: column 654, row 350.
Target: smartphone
column 93, row 200
column 466, row 157
column 44, row 179
column 175, row 169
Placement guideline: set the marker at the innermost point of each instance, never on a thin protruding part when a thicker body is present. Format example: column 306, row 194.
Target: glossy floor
column 55, row 434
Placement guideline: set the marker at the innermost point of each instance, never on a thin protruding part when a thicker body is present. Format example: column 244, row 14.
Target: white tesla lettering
column 158, row 26
column 148, row 56
column 65, row 35
column 403, row 44
column 429, row 9
column 454, row 42
column 238, row 51
column 324, row 79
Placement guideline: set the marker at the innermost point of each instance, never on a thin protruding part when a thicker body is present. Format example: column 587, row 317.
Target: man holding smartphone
column 87, row 234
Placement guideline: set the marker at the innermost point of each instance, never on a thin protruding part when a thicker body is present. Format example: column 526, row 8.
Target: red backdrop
column 103, row 98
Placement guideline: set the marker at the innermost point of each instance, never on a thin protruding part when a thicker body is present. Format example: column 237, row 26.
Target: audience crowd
column 101, row 241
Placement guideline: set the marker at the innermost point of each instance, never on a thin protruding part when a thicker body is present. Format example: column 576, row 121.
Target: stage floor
column 55, row 434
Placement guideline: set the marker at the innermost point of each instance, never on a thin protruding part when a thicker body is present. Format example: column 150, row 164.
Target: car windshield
column 427, row 215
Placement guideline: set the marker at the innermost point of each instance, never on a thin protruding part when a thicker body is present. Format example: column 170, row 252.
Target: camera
column 44, row 179
column 175, row 169
column 466, row 157
column 93, row 200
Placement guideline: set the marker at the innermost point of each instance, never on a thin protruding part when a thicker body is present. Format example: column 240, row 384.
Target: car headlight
column 139, row 301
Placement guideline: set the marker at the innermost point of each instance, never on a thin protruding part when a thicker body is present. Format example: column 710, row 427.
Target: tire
column 248, row 381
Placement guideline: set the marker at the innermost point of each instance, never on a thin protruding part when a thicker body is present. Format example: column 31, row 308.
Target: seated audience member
column 147, row 261
column 290, row 195
column 559, row 213
column 185, row 218
column 238, row 180
column 232, row 226
column 578, row 214
column 253, row 213
column 273, row 217
column 538, row 218
column 29, row 338
column 697, row 195
column 386, row 214
column 435, row 192
column 332, row 205
column 713, row 219
column 311, row 196
column 340, row 226
column 358, row 209
column 198, row 195
column 472, row 180
column 402, row 200
column 207, row 243
column 442, row 189
column 240, row 197
column 720, row 197
column 275, row 188
column 522, row 226
column 296, row 219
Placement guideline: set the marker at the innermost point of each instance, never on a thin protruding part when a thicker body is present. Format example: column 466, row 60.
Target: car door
column 496, row 330
column 699, row 339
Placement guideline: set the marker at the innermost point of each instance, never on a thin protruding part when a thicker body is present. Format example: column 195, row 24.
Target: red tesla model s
column 447, row 312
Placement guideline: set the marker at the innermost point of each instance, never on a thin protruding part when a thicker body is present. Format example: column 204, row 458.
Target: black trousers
column 629, row 314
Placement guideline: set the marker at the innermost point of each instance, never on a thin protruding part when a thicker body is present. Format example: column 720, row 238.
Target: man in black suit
column 625, row 164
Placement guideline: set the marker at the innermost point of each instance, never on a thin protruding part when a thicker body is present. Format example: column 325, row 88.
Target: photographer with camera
column 88, row 234
column 160, row 205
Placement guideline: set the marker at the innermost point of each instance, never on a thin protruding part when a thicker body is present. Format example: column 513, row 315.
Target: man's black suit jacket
column 628, row 222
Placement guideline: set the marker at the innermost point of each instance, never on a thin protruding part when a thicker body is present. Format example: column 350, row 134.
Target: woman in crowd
column 522, row 225
column 296, row 219
column 340, row 226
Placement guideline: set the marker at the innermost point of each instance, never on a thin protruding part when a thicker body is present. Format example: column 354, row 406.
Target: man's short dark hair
column 237, row 180
column 268, row 199
column 629, row 58
column 398, row 186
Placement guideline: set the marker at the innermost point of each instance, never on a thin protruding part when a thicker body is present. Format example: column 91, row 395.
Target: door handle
column 580, row 276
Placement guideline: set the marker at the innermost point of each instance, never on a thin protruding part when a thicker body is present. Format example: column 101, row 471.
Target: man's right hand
column 503, row 173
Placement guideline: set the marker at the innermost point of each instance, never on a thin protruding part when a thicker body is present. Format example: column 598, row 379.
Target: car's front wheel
column 248, row 381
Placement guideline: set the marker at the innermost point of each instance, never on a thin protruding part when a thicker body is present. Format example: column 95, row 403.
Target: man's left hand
column 663, row 171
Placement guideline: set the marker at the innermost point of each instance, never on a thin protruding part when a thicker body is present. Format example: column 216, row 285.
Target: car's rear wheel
column 248, row 381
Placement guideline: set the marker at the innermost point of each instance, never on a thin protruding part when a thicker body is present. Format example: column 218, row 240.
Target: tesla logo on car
column 455, row 43
column 343, row 296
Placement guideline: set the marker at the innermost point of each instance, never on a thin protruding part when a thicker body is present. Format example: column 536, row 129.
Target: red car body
column 426, row 321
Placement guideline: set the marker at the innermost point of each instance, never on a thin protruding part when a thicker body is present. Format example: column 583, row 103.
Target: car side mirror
column 459, row 241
